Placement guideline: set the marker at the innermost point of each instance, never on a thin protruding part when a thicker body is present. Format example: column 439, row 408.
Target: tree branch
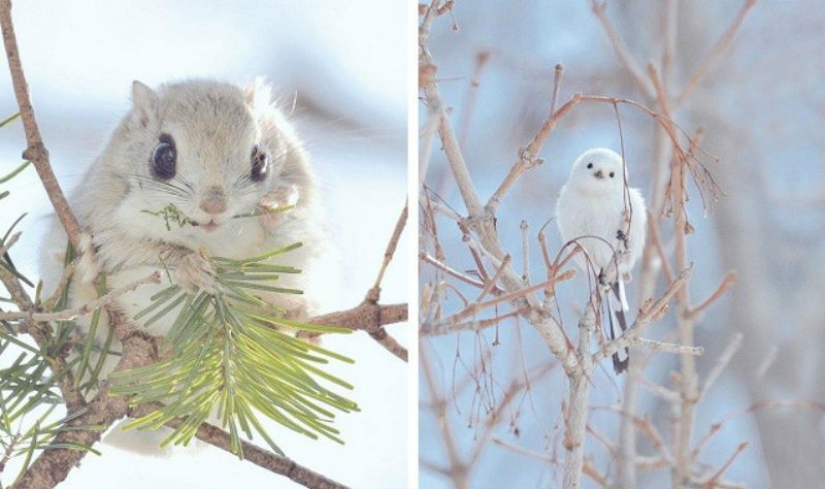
column 715, row 54
column 35, row 151
column 266, row 459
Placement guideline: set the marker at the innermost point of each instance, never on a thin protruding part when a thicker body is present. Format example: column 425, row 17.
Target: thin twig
column 724, row 359
column 715, row 54
column 476, row 307
column 69, row 314
column 525, row 251
column 646, row 317
column 262, row 458
column 711, row 481
column 628, row 61
column 374, row 293
column 668, row 347
column 727, row 282
column 370, row 317
column 528, row 156
column 441, row 328
column 666, row 394
column 375, row 327
column 449, row 271
column 557, row 74
column 491, row 283
column 456, row 467
column 36, row 151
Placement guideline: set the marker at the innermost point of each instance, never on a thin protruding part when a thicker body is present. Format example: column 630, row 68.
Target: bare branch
column 374, row 293
column 727, row 282
column 69, row 314
column 628, row 61
column 262, row 458
column 528, row 156
column 646, row 317
column 579, row 389
column 449, row 271
column 724, row 359
column 715, row 53
column 558, row 72
column 450, row 323
column 35, row 151
column 712, row 481
column 668, row 347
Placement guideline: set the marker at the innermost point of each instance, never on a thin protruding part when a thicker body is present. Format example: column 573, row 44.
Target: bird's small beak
column 599, row 174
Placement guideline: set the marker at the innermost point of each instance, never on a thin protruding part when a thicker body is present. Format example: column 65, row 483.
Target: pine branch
column 234, row 351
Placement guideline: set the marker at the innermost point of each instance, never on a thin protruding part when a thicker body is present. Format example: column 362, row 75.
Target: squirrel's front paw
column 87, row 266
column 281, row 198
column 195, row 272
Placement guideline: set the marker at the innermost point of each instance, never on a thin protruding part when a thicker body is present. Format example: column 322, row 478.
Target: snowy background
column 762, row 109
column 345, row 63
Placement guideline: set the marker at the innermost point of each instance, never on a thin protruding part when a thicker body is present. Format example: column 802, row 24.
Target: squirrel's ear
column 142, row 95
column 258, row 95
column 144, row 101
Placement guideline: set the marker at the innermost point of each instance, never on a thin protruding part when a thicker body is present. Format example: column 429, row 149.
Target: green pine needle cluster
column 30, row 400
column 235, row 354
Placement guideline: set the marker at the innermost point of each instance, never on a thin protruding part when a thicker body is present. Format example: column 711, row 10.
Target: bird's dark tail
column 617, row 310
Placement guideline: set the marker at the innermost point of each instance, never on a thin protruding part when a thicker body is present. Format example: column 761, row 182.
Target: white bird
column 599, row 211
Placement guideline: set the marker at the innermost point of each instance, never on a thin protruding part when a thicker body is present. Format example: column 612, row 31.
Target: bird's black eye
column 164, row 158
column 260, row 164
column 612, row 174
column 589, row 165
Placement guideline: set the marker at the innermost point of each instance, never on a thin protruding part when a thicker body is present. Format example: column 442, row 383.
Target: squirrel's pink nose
column 214, row 202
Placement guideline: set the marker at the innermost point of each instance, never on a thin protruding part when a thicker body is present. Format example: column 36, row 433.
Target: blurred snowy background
column 345, row 64
column 762, row 109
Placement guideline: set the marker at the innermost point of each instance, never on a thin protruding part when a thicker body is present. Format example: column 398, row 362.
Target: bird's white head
column 598, row 170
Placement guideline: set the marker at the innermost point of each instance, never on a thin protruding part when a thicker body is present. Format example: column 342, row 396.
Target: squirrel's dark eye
column 164, row 158
column 260, row 164
column 589, row 165
column 612, row 174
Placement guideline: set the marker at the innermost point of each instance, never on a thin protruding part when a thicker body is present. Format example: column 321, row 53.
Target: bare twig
column 449, row 323
column 427, row 134
column 727, row 282
column 370, row 317
column 628, row 61
column 449, row 271
column 528, row 156
column 557, row 74
column 668, row 347
column 646, row 316
column 442, row 328
column 262, row 458
column 525, row 251
column 69, row 314
column 35, row 151
column 715, row 53
column 724, row 359
column 491, row 283
column 375, row 327
column 469, row 101
column 712, row 481
column 456, row 467
column 374, row 293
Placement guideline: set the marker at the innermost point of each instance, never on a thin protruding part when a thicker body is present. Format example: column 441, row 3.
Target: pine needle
column 235, row 355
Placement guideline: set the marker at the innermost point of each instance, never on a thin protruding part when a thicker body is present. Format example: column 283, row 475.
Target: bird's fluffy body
column 591, row 210
column 599, row 212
